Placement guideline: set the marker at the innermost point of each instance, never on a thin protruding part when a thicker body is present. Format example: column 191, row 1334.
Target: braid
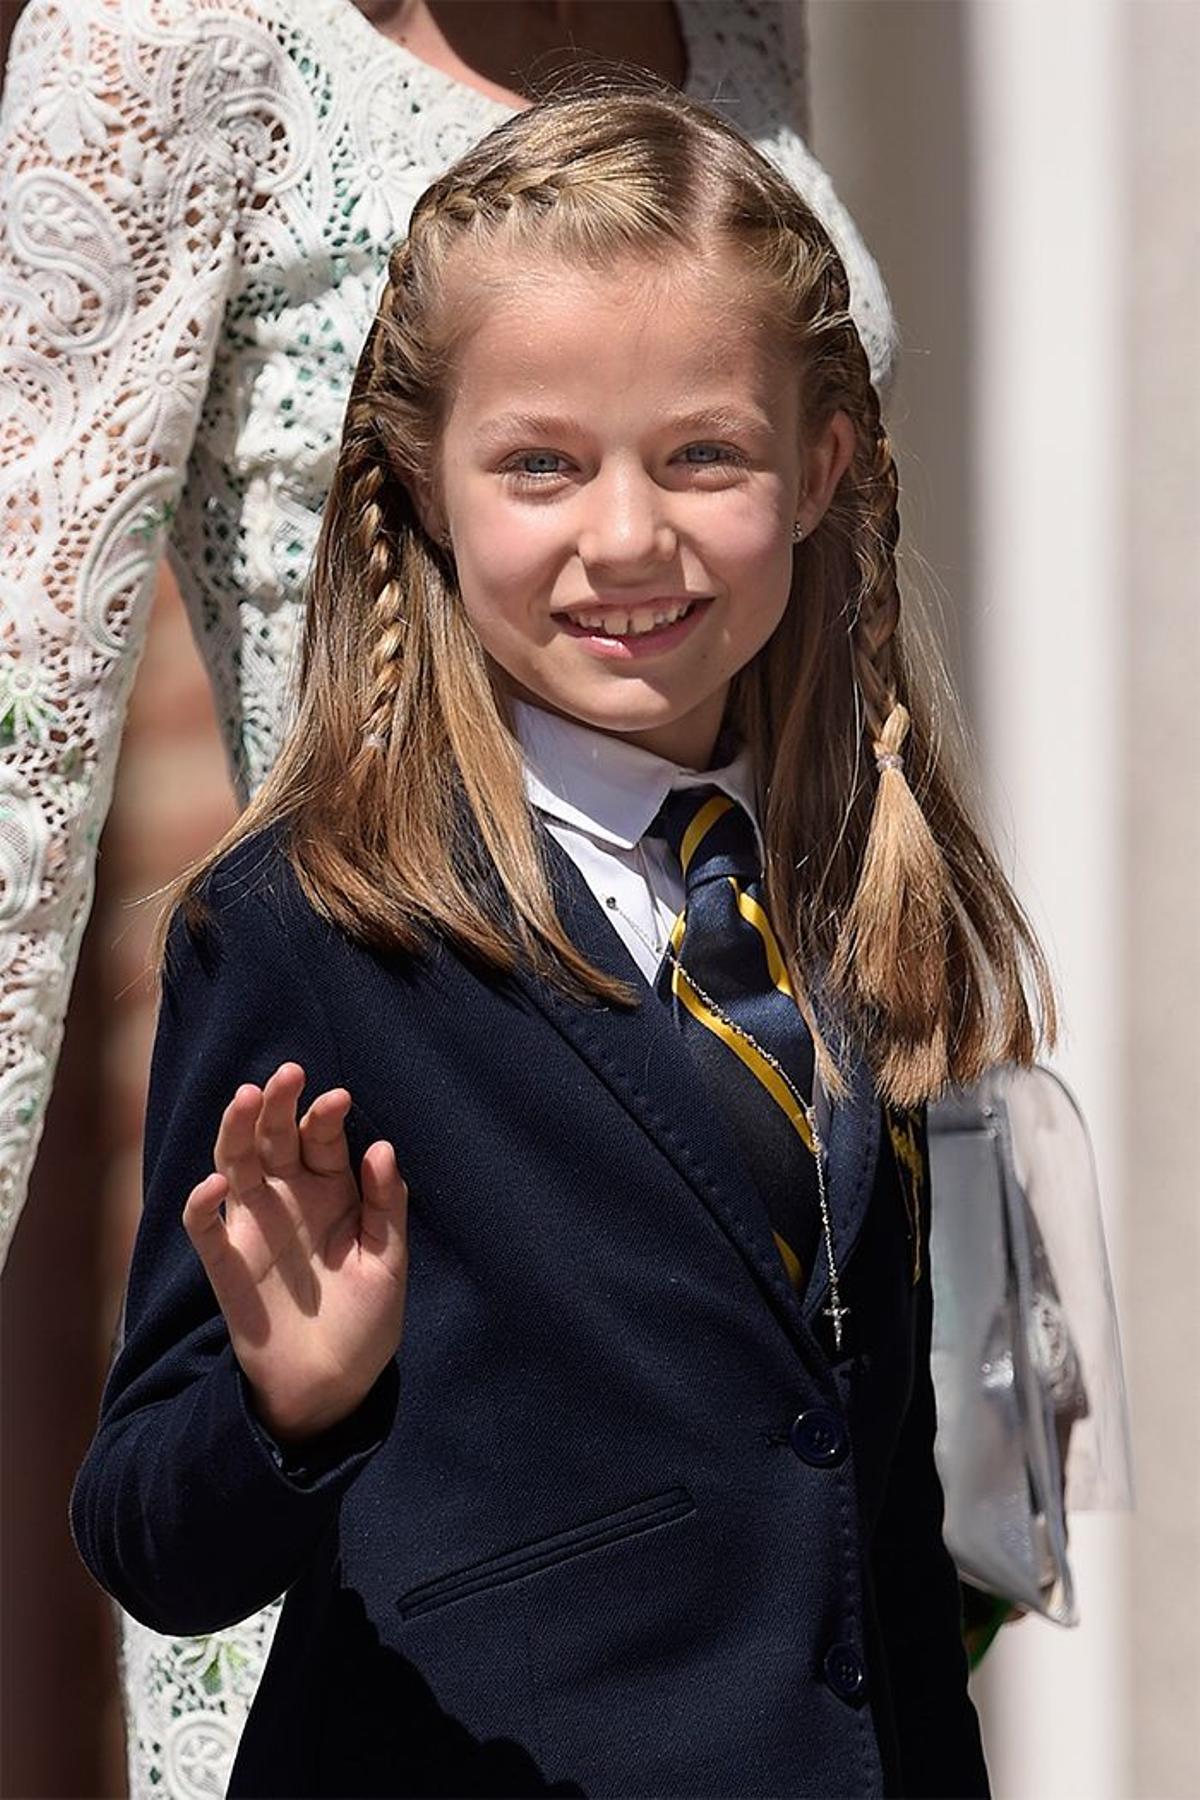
column 896, row 943
column 384, row 592
column 489, row 198
column 376, row 554
column 373, row 497
column 878, row 611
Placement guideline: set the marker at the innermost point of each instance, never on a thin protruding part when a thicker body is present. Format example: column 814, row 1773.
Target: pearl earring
column 797, row 532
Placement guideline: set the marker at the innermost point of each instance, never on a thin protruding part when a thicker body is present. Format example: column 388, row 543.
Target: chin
column 626, row 722
column 603, row 712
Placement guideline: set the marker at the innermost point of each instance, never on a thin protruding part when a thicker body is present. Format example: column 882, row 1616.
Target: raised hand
column 309, row 1272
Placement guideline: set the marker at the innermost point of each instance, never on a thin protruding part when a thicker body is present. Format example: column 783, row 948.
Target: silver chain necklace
column 835, row 1311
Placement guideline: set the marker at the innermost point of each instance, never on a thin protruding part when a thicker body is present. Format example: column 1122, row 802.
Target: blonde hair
column 400, row 783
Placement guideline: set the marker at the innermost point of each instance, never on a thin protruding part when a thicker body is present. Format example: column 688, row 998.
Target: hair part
column 400, row 782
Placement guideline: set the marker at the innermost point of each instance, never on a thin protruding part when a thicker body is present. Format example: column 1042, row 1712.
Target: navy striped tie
column 723, row 941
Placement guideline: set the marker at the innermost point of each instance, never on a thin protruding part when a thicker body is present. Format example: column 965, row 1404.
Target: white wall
column 1047, row 223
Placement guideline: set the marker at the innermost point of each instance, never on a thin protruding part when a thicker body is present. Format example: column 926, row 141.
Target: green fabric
column 982, row 1614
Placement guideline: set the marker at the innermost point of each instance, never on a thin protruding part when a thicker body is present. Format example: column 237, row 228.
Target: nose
column 626, row 524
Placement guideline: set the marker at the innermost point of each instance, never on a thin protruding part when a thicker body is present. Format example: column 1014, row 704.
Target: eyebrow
column 725, row 420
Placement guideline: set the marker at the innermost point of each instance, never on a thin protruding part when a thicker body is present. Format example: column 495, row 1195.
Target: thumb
column 384, row 1225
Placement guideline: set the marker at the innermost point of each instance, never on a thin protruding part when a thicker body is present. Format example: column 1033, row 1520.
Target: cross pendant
column 837, row 1313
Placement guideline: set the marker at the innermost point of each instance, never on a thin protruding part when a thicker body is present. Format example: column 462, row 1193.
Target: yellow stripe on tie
column 791, row 1261
column 705, row 819
column 748, row 1053
column 754, row 915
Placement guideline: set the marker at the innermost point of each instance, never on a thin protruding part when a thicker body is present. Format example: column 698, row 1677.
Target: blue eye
column 516, row 473
column 723, row 454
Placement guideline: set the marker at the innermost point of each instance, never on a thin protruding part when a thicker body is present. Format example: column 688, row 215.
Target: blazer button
column 845, row 1673
column 819, row 1437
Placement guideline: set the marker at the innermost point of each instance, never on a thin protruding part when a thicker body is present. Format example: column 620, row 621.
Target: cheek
column 757, row 564
column 761, row 587
column 499, row 604
column 749, row 541
column 510, row 575
column 487, row 545
column 502, row 568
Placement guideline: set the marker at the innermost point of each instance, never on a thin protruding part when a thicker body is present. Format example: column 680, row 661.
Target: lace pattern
column 187, row 1699
column 199, row 200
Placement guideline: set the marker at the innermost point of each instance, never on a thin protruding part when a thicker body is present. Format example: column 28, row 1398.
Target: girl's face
column 620, row 474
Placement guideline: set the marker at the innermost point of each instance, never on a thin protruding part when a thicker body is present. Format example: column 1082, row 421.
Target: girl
column 199, row 200
column 560, row 1346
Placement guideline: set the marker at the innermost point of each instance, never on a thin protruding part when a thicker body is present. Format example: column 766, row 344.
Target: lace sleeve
column 116, row 244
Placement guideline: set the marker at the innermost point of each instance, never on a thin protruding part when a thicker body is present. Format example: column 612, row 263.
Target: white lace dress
column 199, row 199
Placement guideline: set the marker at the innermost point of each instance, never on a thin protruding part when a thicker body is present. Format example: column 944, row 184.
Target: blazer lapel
column 640, row 1057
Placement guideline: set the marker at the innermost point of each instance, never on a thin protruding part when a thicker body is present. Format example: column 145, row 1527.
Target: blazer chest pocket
column 548, row 1552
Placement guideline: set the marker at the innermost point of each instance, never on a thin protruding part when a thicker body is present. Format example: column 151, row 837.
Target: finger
column 276, row 1134
column 384, row 1226
column 323, row 1146
column 202, row 1218
column 223, row 1263
column 235, row 1153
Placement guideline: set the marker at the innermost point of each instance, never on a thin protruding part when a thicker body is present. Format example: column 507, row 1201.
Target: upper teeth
column 626, row 624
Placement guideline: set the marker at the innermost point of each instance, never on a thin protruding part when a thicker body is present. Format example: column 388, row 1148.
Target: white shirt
column 599, row 795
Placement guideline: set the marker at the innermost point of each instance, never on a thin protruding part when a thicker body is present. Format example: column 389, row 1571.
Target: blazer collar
column 640, row 1057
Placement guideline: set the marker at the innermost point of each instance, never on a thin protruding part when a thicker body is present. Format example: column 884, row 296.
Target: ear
column 425, row 506
column 822, row 467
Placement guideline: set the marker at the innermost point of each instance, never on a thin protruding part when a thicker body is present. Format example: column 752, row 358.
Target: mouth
column 646, row 624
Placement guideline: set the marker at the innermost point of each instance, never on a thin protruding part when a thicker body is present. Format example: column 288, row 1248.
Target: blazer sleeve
column 184, row 1509
column 916, row 1584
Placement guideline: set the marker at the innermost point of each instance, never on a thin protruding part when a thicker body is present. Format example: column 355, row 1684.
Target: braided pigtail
column 387, row 621
column 374, row 519
column 894, row 949
column 925, row 949
column 884, row 893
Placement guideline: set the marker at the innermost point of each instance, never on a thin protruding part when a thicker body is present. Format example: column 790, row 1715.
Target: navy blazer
column 615, row 1520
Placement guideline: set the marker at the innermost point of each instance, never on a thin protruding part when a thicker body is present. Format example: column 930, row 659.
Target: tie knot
column 710, row 834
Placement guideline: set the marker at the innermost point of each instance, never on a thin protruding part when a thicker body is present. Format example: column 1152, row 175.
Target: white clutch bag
column 1033, row 1418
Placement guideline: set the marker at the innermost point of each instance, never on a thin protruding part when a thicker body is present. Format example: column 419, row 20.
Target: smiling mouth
column 624, row 622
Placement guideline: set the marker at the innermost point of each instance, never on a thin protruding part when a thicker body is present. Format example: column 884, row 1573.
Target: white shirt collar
column 604, row 785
